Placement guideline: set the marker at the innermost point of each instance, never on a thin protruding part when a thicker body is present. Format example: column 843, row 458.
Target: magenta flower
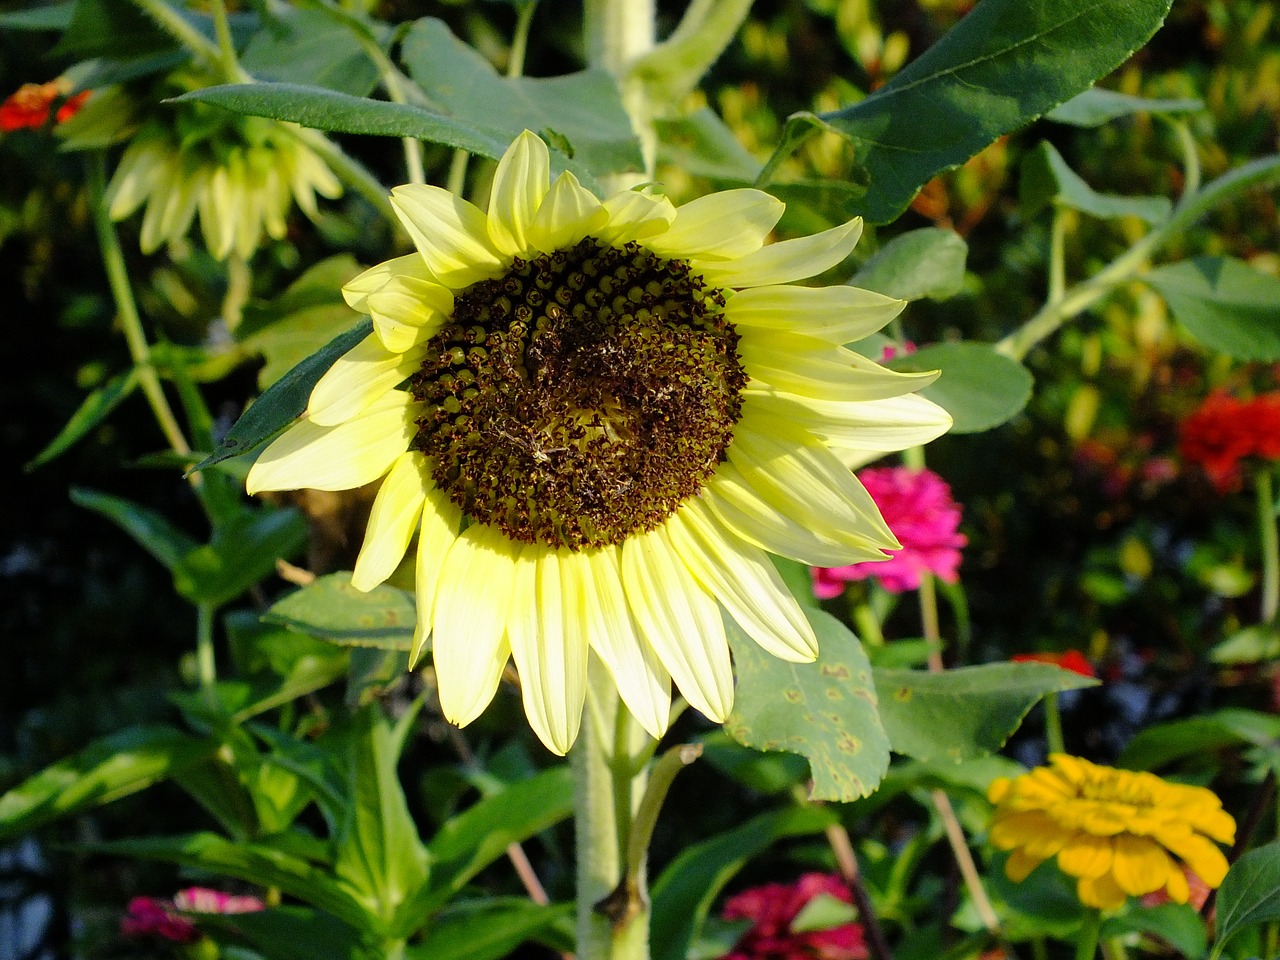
column 149, row 916
column 918, row 508
column 774, row 906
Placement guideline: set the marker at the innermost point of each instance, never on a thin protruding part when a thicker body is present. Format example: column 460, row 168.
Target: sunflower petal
column 809, row 367
column 720, row 226
column 680, row 621
column 451, row 234
column 356, row 290
column 784, row 262
column 358, row 378
column 635, row 216
column 469, row 624
column 568, row 213
column 407, row 311
column 392, row 520
column 519, row 186
column 834, row 314
column 441, row 520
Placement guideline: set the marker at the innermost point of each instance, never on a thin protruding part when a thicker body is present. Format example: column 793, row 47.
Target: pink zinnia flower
column 773, row 906
column 149, row 916
column 918, row 508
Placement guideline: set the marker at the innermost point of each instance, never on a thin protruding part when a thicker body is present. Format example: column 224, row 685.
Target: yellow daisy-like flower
column 1120, row 833
column 241, row 174
column 598, row 416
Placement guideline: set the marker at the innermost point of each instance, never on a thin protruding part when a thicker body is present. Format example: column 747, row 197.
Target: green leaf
column 331, row 608
column 763, row 772
column 1250, row 893
column 300, row 321
column 314, row 47
column 151, row 530
column 262, row 863
column 1005, row 64
column 979, row 387
column 95, row 408
column 110, row 768
column 55, row 16
column 290, row 933
column 1225, row 304
column 823, row 912
column 1046, row 179
column 478, row 836
column 960, row 714
column 110, row 28
column 585, row 108
column 1177, row 924
column 684, row 893
column 1098, row 105
column 920, row 263
column 379, row 853
column 285, row 400
column 1164, row 743
column 241, row 552
column 486, row 929
column 1255, row 644
column 825, row 710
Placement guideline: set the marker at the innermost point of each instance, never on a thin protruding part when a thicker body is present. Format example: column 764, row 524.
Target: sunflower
column 599, row 418
column 1119, row 833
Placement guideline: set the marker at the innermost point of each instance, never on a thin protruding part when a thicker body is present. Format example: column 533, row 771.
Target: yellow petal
column 1205, row 859
column 593, row 588
column 356, row 291
column 837, row 314
column 1101, row 892
column 635, row 216
column 784, row 262
column 1086, row 856
column 441, row 520
column 809, row 367
column 744, row 580
column 468, row 626
column 567, row 214
column 407, row 311
column 1020, row 864
column 392, row 520
column 549, row 646
column 450, row 233
column 720, row 226
column 680, row 621
column 1140, row 866
column 340, row 457
column 519, row 186
column 359, row 377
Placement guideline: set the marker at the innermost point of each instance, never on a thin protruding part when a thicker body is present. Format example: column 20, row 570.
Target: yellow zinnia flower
column 241, row 174
column 598, row 416
column 1120, row 833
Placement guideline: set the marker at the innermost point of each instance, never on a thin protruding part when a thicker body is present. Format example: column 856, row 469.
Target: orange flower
column 29, row 106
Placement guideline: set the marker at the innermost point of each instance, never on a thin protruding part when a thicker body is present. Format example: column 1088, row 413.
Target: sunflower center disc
column 581, row 397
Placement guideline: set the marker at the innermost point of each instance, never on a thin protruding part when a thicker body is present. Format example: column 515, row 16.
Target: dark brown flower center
column 582, row 397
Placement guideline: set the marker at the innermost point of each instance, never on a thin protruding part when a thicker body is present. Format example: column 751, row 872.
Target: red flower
column 1072, row 660
column 148, row 916
column 774, row 906
column 1224, row 431
column 29, row 106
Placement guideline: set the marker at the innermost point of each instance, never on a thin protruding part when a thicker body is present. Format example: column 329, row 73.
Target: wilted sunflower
column 598, row 416
column 242, row 175
column 1118, row 832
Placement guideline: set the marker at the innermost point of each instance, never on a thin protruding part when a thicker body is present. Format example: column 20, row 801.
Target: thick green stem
column 617, row 33
column 1087, row 938
column 1053, row 724
column 230, row 65
column 1057, row 255
column 174, row 24
column 127, row 310
column 1270, row 544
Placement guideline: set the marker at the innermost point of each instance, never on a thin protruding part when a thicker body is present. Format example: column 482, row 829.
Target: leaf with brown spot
column 825, row 711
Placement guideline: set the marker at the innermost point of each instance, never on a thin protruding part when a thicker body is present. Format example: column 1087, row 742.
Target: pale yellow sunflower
column 1118, row 832
column 599, row 418
column 242, row 175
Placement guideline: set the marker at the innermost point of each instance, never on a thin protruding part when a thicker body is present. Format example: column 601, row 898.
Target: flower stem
column 1087, row 942
column 174, row 24
column 127, row 308
column 206, row 666
column 1053, row 724
column 847, row 863
column 520, row 37
column 1057, row 255
column 226, row 46
column 1270, row 543
column 617, row 33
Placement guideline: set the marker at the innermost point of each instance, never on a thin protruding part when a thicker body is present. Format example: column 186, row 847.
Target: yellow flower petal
column 450, row 233
column 784, row 262
column 441, row 520
column 720, row 226
column 1205, row 859
column 361, row 376
column 635, row 216
column 1101, row 892
column 567, row 214
column 834, row 314
column 357, row 290
column 519, row 186
column 1020, row 864
column 468, row 628
column 871, row 426
column 814, row 368
column 1140, row 866
column 1086, row 856
column 680, row 621
column 407, row 311
column 392, row 520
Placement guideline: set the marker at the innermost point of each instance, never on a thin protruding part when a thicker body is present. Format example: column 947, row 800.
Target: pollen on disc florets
column 580, row 397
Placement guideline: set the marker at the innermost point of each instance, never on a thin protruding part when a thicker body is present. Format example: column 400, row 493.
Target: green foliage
column 331, row 608
column 1226, row 304
column 917, row 264
column 979, row 387
column 1046, row 179
column 1250, row 894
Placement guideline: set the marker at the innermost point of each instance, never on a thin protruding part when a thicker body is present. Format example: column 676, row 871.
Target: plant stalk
column 1270, row 543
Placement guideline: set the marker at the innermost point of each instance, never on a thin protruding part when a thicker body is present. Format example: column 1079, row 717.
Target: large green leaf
column 285, row 400
column 1250, row 893
column 313, row 46
column 240, row 553
column 824, row 710
column 1005, row 64
column 266, row 864
column 683, row 894
column 331, row 608
column 289, row 933
column 585, row 108
column 919, row 263
column 379, row 853
column 110, row 768
column 1225, row 303
column 486, row 929
column 959, row 714
column 979, row 387
column 1097, row 105
column 1046, row 179
column 1178, row 924
column 1164, row 743
column 469, row 842
column 110, row 28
